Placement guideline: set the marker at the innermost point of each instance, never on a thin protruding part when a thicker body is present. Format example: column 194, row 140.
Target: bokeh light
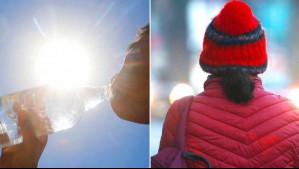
column 293, row 95
column 179, row 91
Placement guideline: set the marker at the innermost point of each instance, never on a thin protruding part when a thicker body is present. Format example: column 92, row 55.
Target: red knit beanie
column 234, row 40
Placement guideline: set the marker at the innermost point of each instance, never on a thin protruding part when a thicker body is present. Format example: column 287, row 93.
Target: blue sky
column 106, row 27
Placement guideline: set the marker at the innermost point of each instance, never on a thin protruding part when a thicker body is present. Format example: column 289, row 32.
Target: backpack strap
column 184, row 107
column 197, row 157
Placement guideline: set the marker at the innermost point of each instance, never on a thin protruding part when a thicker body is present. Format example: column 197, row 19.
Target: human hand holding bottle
column 27, row 153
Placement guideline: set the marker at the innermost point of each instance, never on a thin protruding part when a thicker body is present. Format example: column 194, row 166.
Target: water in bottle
column 51, row 109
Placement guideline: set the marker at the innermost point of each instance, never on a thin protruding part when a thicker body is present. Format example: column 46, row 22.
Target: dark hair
column 142, row 38
column 237, row 85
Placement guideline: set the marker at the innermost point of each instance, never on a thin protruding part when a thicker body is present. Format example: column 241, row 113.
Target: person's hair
column 142, row 38
column 237, row 85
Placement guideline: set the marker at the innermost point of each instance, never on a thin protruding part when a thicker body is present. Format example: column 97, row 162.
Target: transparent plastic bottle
column 52, row 109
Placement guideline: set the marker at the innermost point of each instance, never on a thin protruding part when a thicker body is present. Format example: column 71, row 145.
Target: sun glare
column 63, row 63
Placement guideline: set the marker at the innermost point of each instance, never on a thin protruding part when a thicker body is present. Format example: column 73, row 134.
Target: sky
column 106, row 28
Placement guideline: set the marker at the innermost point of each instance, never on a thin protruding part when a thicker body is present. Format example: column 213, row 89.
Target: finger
column 4, row 139
column 43, row 139
column 8, row 151
column 7, row 156
column 26, row 127
column 16, row 107
column 42, row 142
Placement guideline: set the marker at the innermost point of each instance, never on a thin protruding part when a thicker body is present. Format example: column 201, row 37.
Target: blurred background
column 177, row 31
column 105, row 28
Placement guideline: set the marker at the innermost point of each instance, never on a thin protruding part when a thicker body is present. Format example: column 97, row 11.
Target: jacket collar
column 214, row 82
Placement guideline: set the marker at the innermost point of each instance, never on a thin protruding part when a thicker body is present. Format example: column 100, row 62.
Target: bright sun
column 63, row 63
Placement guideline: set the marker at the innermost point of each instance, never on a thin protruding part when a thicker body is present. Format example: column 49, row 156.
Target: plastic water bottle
column 52, row 109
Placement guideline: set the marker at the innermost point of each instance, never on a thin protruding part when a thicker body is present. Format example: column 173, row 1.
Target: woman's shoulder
column 268, row 95
column 270, row 99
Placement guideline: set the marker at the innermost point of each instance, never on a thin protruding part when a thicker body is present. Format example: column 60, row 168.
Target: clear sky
column 105, row 27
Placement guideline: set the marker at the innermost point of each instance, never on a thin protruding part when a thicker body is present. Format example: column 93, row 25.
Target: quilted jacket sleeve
column 170, row 126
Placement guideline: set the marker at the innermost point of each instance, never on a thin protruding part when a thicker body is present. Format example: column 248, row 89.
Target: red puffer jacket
column 262, row 133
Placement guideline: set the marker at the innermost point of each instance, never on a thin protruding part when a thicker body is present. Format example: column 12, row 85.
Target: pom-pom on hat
column 234, row 40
